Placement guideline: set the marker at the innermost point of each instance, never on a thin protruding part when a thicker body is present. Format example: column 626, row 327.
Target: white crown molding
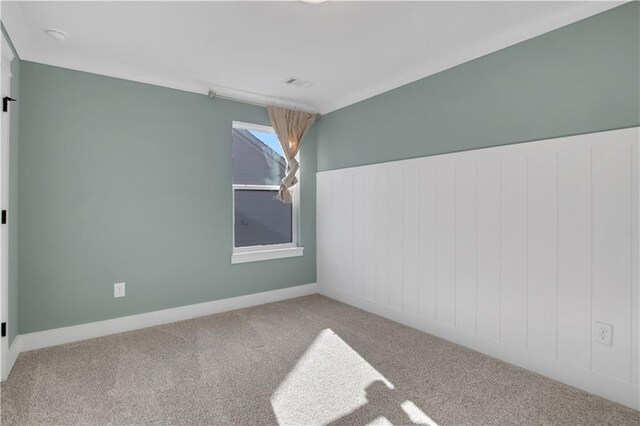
column 13, row 22
column 132, row 73
column 480, row 48
column 17, row 29
column 7, row 56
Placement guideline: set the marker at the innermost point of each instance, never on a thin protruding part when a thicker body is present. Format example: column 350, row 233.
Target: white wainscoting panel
column 515, row 251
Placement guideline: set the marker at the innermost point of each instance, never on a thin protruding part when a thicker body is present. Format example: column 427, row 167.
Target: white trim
column 481, row 48
column 255, row 127
column 256, row 187
column 267, row 254
column 15, row 25
column 7, row 57
column 5, row 136
column 635, row 350
column 59, row 336
column 590, row 381
column 490, row 150
column 17, row 29
column 269, row 247
column 272, row 251
column 12, row 356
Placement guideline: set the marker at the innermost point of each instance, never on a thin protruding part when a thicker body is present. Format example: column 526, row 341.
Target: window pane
column 257, row 158
column 261, row 219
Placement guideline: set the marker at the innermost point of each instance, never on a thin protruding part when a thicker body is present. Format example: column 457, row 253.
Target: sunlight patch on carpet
column 327, row 383
column 380, row 421
column 332, row 382
column 416, row 415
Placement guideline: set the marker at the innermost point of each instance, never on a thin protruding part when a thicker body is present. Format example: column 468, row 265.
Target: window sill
column 257, row 256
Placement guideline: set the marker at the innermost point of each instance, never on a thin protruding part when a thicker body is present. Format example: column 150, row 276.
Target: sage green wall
column 12, row 211
column 122, row 181
column 578, row 79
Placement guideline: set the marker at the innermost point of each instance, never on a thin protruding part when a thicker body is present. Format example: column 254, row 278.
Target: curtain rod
column 214, row 95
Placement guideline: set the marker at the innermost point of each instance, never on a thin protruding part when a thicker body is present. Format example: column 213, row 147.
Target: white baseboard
column 58, row 336
column 587, row 380
column 615, row 390
column 12, row 355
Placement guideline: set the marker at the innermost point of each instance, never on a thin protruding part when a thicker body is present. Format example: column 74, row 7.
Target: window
column 263, row 227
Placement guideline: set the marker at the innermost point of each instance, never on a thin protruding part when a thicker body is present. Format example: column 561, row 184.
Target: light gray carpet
column 309, row 360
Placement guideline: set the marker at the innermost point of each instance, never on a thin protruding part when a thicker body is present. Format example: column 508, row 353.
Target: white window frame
column 271, row 251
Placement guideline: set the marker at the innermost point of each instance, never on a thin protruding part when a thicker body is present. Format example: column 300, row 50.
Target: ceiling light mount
column 56, row 34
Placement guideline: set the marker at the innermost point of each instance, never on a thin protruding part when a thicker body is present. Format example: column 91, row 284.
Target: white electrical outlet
column 604, row 333
column 118, row 290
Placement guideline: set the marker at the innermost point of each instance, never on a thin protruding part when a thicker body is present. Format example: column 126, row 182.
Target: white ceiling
column 350, row 50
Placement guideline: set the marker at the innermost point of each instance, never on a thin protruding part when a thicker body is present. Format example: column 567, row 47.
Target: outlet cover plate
column 118, row 290
column 604, row 333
